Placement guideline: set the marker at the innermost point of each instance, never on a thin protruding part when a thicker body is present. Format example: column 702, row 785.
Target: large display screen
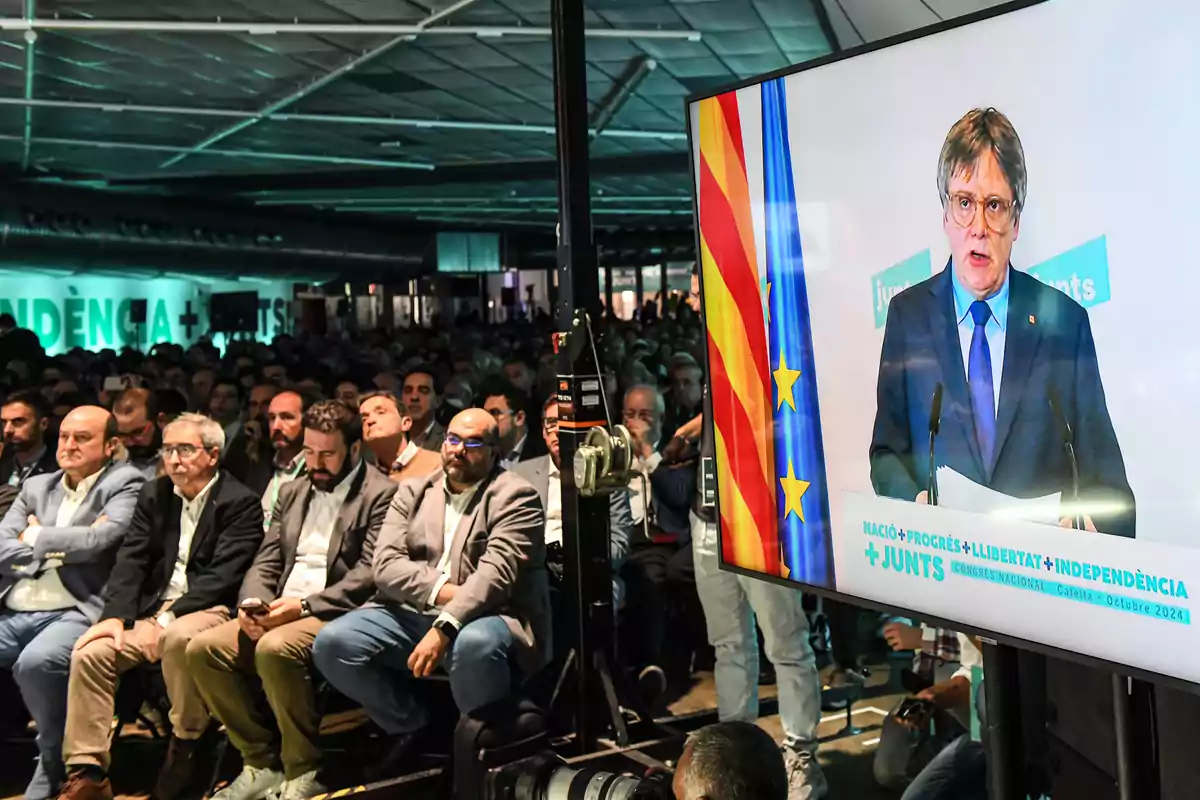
column 953, row 362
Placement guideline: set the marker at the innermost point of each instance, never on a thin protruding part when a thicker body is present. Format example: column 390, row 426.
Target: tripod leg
column 610, row 695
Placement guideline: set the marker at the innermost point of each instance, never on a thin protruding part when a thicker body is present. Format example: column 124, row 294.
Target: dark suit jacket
column 85, row 549
column 348, row 581
column 227, row 536
column 1048, row 346
column 620, row 517
column 498, row 557
column 46, row 464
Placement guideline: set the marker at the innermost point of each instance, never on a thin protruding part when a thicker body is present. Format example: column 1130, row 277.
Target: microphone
column 1068, row 442
column 935, row 425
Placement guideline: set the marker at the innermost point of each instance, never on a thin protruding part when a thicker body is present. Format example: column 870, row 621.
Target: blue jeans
column 365, row 656
column 959, row 772
column 36, row 646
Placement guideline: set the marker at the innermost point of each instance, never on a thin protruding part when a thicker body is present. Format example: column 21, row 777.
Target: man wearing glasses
column 193, row 535
column 460, row 566
column 509, row 406
column 56, row 547
column 1002, row 345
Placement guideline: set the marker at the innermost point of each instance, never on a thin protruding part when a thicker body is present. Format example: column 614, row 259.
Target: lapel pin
column 1032, row 319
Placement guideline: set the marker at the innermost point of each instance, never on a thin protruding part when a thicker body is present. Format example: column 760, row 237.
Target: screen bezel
column 987, row 635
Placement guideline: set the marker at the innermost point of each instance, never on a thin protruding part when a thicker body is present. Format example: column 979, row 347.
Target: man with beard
column 137, row 426
column 285, row 463
column 193, row 535
column 56, row 550
column 461, row 571
column 25, row 417
column 314, row 566
column 385, row 425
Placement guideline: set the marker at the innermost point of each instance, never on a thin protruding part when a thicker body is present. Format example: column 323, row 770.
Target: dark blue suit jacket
column 1048, row 346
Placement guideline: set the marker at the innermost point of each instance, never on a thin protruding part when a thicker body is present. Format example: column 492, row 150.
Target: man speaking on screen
column 1015, row 358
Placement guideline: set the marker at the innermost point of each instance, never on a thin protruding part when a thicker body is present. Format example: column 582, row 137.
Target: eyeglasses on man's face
column 453, row 440
column 182, row 451
column 997, row 211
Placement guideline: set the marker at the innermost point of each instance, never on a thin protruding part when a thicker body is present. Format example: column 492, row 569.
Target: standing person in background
column 26, row 420
column 420, row 393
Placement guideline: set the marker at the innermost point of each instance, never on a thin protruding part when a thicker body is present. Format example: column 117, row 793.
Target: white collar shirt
column 189, row 518
column 310, row 569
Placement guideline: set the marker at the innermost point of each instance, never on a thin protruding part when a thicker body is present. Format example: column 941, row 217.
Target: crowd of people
column 361, row 509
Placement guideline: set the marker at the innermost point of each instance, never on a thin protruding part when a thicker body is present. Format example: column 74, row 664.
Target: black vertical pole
column 640, row 289
column 1133, row 726
column 1006, row 760
column 587, row 576
column 664, row 284
column 608, row 288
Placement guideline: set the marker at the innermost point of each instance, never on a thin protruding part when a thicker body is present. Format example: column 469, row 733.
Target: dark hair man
column 56, row 546
column 136, row 412
column 385, row 424
column 225, row 406
column 314, row 565
column 420, row 392
column 460, row 568
column 978, row 324
column 730, row 761
column 193, row 536
column 509, row 406
column 544, row 473
column 25, row 417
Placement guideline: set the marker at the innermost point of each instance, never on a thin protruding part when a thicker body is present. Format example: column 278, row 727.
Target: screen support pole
column 1006, row 763
column 1133, row 726
column 587, row 575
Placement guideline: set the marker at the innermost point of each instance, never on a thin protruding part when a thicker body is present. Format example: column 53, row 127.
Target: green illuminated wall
column 93, row 313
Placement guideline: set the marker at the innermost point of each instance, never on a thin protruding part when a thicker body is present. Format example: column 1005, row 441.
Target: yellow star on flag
column 793, row 492
column 785, row 379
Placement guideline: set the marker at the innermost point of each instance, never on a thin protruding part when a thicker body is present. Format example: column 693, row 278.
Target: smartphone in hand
column 253, row 607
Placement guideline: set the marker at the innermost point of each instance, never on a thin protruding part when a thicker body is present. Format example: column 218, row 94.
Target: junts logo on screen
column 1081, row 273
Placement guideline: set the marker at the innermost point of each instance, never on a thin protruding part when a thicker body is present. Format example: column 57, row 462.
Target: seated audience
column 56, row 550
column 386, row 424
column 460, row 569
column 26, row 419
column 193, row 536
column 420, row 392
column 314, row 565
column 509, row 406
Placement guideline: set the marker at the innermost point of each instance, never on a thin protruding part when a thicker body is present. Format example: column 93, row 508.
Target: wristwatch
column 305, row 609
column 447, row 628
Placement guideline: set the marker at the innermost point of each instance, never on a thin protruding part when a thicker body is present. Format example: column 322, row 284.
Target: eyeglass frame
column 194, row 449
column 1010, row 212
column 471, row 445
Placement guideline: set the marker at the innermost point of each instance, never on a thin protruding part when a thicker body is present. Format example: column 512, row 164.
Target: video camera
column 548, row 777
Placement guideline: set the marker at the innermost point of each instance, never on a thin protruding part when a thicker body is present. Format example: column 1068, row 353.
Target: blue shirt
column 994, row 330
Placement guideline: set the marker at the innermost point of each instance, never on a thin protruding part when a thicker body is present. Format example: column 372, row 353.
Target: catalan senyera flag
column 773, row 497
column 799, row 450
column 740, row 374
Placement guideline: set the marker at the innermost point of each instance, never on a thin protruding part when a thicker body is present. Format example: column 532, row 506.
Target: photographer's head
column 981, row 181
column 731, row 761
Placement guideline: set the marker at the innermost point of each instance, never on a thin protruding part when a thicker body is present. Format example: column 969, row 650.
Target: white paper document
column 958, row 491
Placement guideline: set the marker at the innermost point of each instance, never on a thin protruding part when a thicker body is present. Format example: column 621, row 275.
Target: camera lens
column 568, row 783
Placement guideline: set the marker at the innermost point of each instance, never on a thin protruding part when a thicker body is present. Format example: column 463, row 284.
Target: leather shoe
column 394, row 757
column 178, row 769
column 85, row 784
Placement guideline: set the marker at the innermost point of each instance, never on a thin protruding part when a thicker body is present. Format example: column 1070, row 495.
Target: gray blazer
column 620, row 516
column 85, row 550
column 498, row 557
column 351, row 544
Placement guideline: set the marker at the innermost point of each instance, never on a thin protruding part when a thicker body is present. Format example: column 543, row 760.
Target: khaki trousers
column 96, row 668
column 224, row 663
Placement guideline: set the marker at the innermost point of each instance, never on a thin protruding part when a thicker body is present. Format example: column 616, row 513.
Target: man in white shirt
column 56, row 547
column 314, row 565
column 193, row 535
column 460, row 568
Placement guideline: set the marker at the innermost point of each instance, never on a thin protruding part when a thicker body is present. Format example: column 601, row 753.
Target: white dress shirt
column 282, row 476
column 46, row 592
column 189, row 517
column 554, row 523
column 405, row 456
column 638, row 503
column 310, row 571
column 456, row 506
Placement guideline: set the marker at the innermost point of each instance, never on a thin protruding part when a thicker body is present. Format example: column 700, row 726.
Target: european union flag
column 803, row 496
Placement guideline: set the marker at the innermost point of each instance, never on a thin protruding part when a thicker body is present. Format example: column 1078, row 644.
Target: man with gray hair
column 194, row 534
column 730, row 761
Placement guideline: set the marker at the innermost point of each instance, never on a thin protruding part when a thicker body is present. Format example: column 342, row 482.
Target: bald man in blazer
column 460, row 566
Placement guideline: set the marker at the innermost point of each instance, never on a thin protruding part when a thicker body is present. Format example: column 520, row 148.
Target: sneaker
column 86, row 784
column 806, row 781
column 302, row 787
column 251, row 784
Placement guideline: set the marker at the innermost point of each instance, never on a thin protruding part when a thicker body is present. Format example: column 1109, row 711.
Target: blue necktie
column 979, row 381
